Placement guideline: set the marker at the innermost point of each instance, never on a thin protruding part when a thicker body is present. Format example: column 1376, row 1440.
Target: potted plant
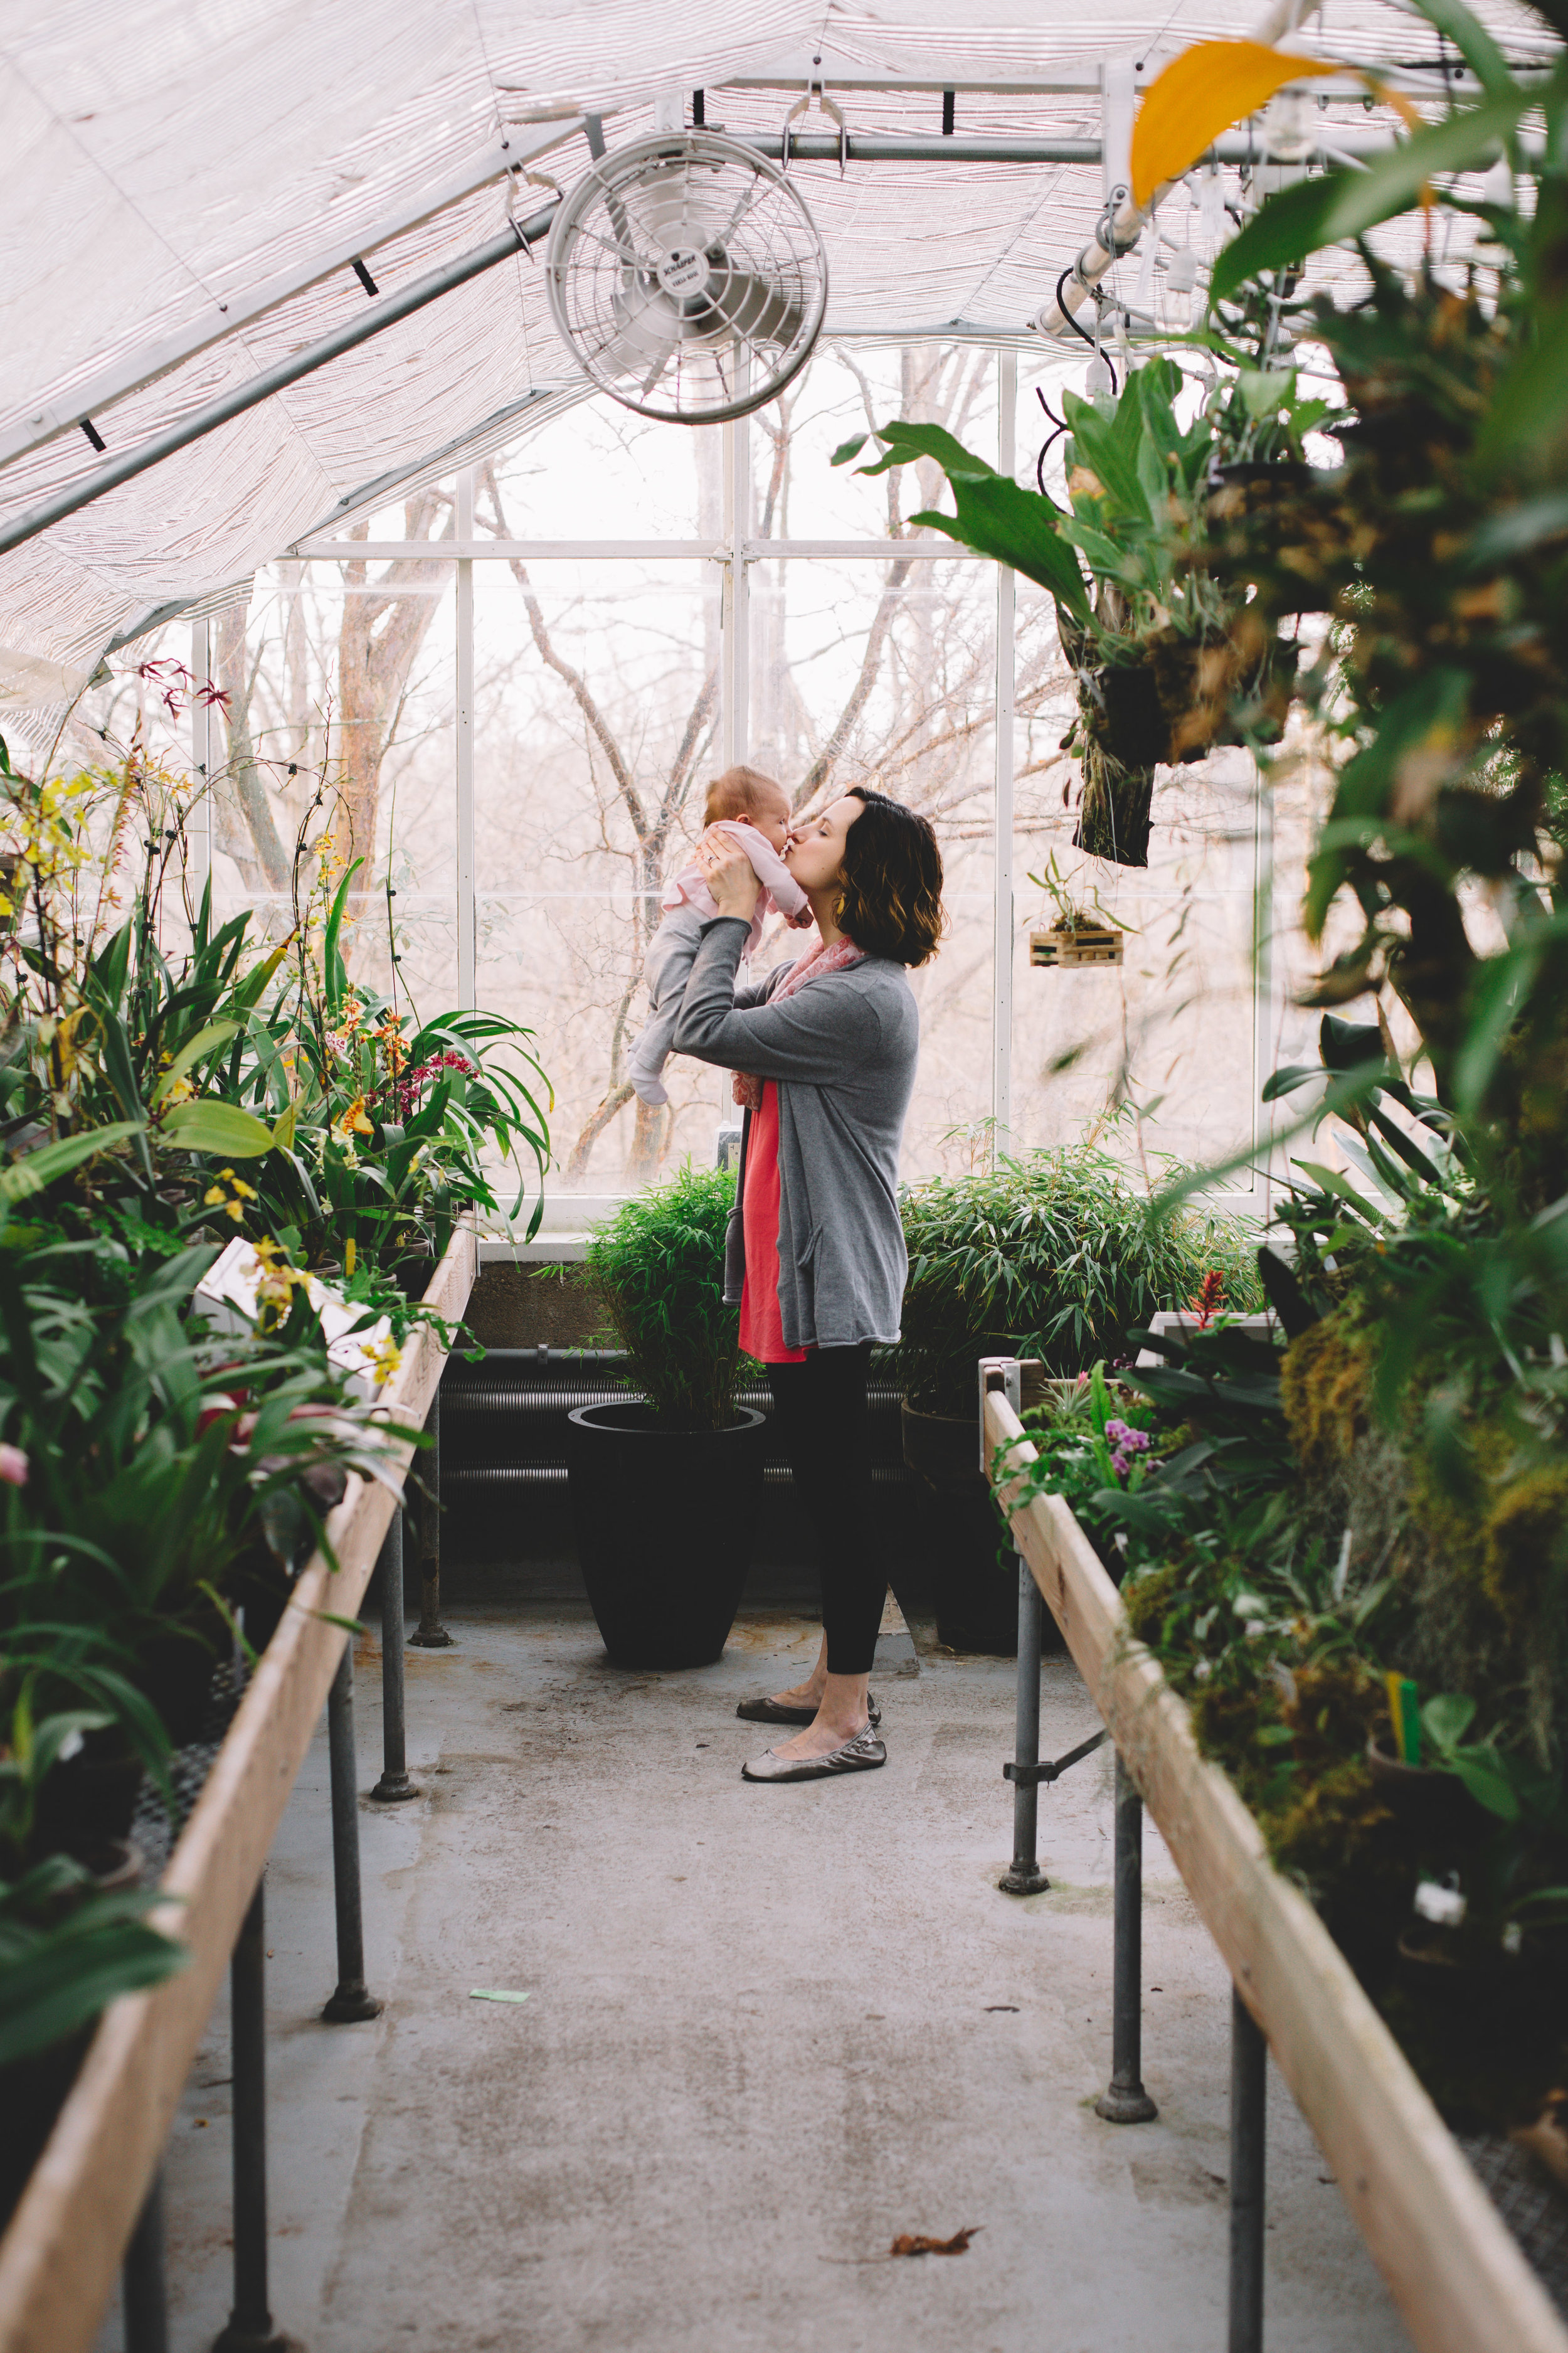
column 1051, row 1255
column 1166, row 665
column 665, row 1486
column 1074, row 935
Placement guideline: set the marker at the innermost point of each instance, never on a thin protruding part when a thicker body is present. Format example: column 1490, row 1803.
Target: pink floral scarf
column 748, row 1090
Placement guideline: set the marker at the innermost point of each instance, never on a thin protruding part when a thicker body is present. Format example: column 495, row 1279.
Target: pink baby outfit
column 689, row 905
column 780, row 888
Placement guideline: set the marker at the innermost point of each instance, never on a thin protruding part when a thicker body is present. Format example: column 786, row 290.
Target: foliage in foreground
column 1384, row 1495
column 163, row 1474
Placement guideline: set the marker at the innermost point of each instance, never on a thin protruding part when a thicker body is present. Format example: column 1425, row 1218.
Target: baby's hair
column 738, row 792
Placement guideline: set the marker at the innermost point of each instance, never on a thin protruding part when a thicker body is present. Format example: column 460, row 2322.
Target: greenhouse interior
column 1059, row 1372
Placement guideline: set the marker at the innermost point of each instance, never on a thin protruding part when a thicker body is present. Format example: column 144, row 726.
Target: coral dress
column 762, row 1327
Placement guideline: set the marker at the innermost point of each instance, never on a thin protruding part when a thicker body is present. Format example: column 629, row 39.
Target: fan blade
column 649, row 329
column 753, row 307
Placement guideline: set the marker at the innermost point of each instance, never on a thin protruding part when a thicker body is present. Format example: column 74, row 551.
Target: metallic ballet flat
column 773, row 1711
column 857, row 1756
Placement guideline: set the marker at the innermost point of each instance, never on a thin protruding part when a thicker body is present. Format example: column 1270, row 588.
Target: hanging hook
column 534, row 180
column 826, row 106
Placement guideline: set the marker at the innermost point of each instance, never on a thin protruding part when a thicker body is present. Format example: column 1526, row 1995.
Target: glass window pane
column 597, row 728
column 799, row 493
column 601, row 472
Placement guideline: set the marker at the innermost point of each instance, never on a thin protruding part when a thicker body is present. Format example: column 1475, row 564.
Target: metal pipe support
column 250, row 2329
column 394, row 1786
column 1024, row 1876
column 430, row 1634
column 1248, row 2122
column 351, row 2001
column 1124, row 2101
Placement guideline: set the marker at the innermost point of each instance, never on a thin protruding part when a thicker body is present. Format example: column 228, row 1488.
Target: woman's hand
column 729, row 874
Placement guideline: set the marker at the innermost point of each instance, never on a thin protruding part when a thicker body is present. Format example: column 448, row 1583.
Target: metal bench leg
column 395, row 1784
column 1124, row 2101
column 145, row 2292
column 1025, row 1877
column 430, row 1634
column 1248, row 2112
column 250, row 2329
column 351, row 2001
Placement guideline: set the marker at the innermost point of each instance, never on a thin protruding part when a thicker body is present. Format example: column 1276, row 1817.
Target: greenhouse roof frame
column 191, row 220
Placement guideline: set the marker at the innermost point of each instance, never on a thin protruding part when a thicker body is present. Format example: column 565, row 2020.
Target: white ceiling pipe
column 1285, row 16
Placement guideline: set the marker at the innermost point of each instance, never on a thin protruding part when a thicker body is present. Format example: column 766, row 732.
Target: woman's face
column 815, row 850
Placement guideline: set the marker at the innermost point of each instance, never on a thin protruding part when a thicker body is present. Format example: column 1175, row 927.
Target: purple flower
column 1130, row 1440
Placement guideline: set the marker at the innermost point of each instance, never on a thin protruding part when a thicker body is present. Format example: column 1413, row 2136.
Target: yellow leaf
column 283, row 1127
column 1201, row 93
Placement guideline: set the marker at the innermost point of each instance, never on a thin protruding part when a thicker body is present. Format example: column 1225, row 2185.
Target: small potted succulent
column 665, row 1484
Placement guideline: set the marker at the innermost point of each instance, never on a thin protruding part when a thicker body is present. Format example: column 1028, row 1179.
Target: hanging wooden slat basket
column 1083, row 946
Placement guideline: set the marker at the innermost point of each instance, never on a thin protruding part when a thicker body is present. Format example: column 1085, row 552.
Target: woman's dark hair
column 891, row 867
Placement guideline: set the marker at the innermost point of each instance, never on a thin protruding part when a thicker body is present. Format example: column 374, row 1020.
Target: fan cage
column 687, row 279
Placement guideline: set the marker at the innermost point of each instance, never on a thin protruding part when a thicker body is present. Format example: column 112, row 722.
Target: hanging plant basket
column 1065, row 950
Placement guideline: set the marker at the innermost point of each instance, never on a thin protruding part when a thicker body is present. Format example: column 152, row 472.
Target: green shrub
column 1051, row 1255
column 660, row 1263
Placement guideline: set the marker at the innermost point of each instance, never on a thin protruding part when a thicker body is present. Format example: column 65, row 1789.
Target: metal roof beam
column 789, row 72
column 67, row 411
column 278, row 378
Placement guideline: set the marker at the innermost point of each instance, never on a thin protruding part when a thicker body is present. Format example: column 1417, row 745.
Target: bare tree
column 258, row 852
column 651, row 810
column 384, row 623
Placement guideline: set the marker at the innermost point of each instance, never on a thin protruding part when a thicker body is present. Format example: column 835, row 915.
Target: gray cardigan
column 842, row 1050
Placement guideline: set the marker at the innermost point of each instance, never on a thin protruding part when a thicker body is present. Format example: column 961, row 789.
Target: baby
column 754, row 811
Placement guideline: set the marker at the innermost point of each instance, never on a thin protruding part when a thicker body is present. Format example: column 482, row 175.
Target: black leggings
column 820, row 1406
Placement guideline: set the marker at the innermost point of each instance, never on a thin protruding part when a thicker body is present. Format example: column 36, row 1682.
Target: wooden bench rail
column 64, row 2246
column 1454, row 2270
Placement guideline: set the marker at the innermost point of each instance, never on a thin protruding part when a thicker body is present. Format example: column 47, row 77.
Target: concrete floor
column 767, row 2031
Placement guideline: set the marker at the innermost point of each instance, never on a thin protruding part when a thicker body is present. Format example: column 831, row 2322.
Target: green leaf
column 993, row 515
column 1018, row 528
column 215, row 1034
column 1447, row 1718
column 29, row 1175
column 217, row 1127
column 1265, row 391
column 1502, row 988
column 1287, row 1080
column 333, row 966
column 848, row 450
column 1481, row 1771
column 1513, row 530
column 1096, row 446
column 1527, row 423
column 1345, row 203
column 1333, row 1181
column 904, row 441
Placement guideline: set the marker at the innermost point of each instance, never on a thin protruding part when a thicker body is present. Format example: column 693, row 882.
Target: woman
column 825, row 1055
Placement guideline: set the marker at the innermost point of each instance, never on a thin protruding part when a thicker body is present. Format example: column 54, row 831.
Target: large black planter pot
column 973, row 1575
column 664, row 1521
